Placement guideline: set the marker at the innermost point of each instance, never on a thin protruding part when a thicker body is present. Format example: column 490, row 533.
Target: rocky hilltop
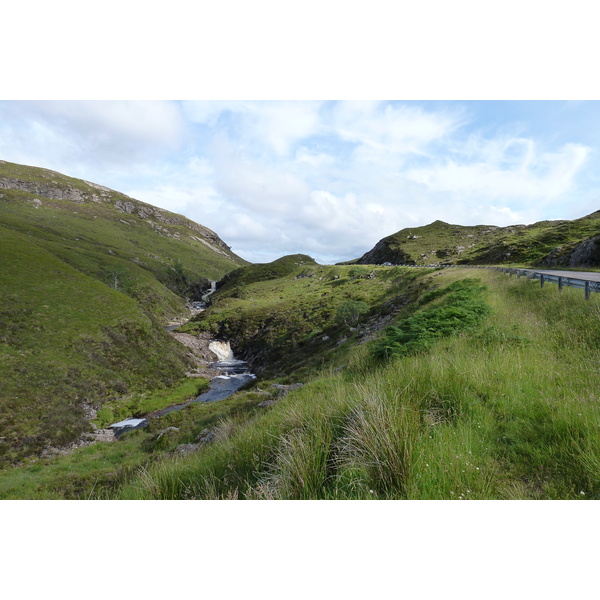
column 547, row 243
column 52, row 185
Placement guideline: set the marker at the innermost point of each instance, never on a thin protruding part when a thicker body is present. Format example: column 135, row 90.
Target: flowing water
column 234, row 374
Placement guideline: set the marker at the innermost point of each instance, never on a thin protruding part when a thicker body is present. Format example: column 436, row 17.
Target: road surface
column 590, row 276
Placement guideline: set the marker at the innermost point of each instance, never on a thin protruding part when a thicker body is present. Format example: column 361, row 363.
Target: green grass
column 137, row 405
column 505, row 410
column 293, row 322
column 463, row 308
column 85, row 473
column 68, row 343
column 100, row 469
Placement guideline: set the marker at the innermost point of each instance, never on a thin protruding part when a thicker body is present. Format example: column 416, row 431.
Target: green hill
column 285, row 316
column 88, row 277
column 547, row 243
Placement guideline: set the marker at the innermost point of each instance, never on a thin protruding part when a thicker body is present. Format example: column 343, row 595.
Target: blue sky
column 326, row 178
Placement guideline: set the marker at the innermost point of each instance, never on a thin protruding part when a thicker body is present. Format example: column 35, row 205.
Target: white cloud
column 202, row 200
column 286, row 123
column 81, row 137
column 313, row 159
column 255, row 185
column 144, row 122
column 332, row 178
column 247, row 228
column 277, row 125
column 509, row 170
column 207, row 112
column 390, row 128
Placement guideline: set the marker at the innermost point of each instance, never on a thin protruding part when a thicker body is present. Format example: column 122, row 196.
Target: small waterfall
column 213, row 289
column 222, row 350
column 234, row 374
column 226, row 362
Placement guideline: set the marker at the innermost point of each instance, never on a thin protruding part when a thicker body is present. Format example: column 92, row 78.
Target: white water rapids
column 234, row 374
column 222, row 350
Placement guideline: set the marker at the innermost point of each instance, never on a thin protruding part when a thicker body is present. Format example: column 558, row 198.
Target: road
column 590, row 276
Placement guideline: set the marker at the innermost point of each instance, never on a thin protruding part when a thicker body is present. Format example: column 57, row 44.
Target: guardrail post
column 587, row 290
column 541, row 280
column 560, row 283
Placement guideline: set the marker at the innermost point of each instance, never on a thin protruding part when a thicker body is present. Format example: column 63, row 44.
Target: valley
column 372, row 380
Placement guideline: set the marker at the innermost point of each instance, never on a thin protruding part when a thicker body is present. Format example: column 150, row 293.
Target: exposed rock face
column 584, row 254
column 201, row 354
column 53, row 191
column 206, row 436
column 382, row 252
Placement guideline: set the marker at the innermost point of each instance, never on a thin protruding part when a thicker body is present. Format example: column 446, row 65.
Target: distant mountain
column 88, row 278
column 547, row 243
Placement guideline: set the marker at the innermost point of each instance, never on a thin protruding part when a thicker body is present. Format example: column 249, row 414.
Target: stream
column 233, row 375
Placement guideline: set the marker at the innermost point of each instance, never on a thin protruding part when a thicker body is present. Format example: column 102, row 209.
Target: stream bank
column 226, row 374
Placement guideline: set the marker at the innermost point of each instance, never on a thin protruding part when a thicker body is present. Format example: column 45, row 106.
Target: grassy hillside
column 100, row 231
column 547, row 242
column 475, row 386
column 87, row 280
column 285, row 316
column 374, row 382
column 502, row 405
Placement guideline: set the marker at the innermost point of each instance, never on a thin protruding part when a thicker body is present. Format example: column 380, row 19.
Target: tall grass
column 507, row 408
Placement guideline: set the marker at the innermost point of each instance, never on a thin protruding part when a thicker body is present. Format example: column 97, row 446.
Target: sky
column 324, row 178
column 480, row 119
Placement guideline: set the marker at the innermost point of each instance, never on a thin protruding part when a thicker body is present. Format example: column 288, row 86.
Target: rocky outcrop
column 206, row 436
column 384, row 252
column 54, row 191
column 584, row 254
column 60, row 188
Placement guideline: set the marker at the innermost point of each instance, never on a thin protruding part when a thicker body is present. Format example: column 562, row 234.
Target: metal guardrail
column 587, row 285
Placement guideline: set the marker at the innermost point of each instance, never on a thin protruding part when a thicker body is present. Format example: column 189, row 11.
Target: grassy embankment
column 85, row 290
column 31, row 481
column 504, row 407
column 293, row 315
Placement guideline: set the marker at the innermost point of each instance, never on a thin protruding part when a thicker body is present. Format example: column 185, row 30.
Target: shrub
column 350, row 312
